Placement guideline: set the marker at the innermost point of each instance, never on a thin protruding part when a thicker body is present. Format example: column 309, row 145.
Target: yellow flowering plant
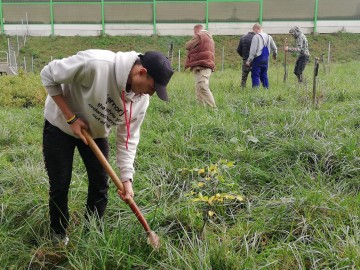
column 213, row 190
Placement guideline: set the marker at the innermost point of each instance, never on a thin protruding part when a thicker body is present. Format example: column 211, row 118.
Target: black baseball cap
column 159, row 68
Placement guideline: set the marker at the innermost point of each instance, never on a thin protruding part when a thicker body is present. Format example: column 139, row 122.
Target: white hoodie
column 92, row 83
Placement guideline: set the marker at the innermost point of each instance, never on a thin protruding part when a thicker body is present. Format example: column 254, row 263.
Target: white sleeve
column 57, row 72
column 273, row 45
column 253, row 48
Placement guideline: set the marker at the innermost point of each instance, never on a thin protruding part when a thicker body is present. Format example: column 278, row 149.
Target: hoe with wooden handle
column 152, row 236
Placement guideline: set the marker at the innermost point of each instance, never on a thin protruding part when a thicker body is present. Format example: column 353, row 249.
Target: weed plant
column 295, row 166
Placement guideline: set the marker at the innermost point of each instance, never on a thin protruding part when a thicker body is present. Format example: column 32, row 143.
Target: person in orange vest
column 201, row 61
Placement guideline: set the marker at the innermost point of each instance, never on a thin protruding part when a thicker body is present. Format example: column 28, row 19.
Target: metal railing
column 3, row 59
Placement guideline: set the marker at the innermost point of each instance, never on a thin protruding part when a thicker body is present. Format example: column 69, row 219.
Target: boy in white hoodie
column 94, row 90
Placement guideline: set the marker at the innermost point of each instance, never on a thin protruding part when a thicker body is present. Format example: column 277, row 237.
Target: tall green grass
column 296, row 166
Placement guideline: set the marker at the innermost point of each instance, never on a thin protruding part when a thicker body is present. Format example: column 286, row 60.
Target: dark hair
column 137, row 62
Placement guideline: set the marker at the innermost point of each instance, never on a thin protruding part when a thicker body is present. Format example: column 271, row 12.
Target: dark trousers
column 245, row 73
column 58, row 150
column 300, row 65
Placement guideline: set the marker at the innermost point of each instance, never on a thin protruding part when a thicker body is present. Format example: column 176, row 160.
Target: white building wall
column 173, row 29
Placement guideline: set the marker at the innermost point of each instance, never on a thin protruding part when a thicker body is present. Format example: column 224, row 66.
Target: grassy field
column 266, row 181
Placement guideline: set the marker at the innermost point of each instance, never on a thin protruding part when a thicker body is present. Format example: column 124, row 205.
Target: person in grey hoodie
column 95, row 90
column 302, row 48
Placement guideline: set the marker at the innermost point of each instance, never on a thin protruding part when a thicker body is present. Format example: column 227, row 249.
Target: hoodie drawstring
column 127, row 121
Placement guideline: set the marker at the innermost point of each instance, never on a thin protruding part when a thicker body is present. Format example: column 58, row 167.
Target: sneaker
column 59, row 239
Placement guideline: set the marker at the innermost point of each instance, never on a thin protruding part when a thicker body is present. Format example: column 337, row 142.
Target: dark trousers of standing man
column 245, row 73
column 58, row 150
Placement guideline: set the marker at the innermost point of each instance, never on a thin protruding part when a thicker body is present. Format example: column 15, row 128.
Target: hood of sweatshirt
column 124, row 61
column 295, row 31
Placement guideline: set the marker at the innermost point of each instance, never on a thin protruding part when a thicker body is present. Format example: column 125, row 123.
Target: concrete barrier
column 180, row 29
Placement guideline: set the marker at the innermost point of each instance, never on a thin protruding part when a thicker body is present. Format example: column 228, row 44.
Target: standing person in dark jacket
column 201, row 61
column 302, row 48
column 243, row 50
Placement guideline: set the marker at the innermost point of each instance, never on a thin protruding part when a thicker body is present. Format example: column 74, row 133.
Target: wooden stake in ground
column 329, row 53
column 285, row 60
column 323, row 61
column 153, row 239
column 171, row 52
column 316, row 69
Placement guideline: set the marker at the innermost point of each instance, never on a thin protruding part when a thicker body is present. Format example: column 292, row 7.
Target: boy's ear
column 142, row 70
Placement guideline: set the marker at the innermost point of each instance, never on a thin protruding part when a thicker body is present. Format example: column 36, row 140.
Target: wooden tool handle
column 115, row 178
column 100, row 156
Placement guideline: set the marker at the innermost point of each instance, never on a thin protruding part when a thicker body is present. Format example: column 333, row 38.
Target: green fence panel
column 315, row 15
column 173, row 11
column 235, row 12
column 285, row 10
column 339, row 10
column 1, row 18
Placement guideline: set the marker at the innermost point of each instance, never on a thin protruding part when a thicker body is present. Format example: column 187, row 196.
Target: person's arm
column 75, row 126
column 192, row 43
column 64, row 71
column 294, row 49
column 273, row 47
column 67, row 70
column 125, row 157
column 290, row 49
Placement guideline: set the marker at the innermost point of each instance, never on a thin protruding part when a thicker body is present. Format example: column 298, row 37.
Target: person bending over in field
column 95, row 90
